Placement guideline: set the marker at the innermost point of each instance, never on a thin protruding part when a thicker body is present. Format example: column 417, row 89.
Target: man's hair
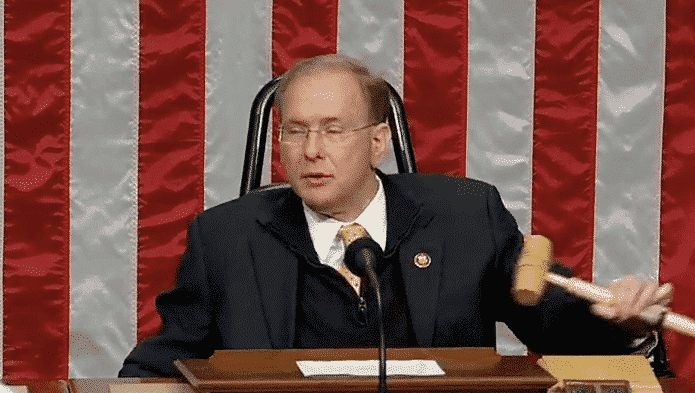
column 374, row 89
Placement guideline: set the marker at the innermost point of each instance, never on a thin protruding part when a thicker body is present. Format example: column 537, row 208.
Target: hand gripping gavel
column 532, row 272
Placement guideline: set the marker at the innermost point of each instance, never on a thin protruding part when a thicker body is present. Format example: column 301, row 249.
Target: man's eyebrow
column 324, row 121
column 330, row 120
column 295, row 122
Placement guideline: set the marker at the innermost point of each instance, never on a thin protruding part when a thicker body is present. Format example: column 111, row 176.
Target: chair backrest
column 259, row 126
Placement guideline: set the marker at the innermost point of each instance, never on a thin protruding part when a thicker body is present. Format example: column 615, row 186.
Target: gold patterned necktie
column 347, row 234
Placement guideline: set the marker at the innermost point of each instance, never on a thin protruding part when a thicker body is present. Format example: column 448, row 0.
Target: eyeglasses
column 296, row 134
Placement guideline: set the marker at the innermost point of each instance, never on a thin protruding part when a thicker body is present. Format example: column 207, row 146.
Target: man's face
column 336, row 179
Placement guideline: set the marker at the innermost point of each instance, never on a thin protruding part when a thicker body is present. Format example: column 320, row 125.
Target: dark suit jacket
column 237, row 282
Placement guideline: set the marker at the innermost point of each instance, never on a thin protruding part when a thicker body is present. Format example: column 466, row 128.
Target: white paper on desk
column 367, row 368
column 150, row 388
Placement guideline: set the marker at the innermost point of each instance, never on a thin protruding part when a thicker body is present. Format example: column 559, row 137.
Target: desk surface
column 101, row 385
column 274, row 364
column 470, row 369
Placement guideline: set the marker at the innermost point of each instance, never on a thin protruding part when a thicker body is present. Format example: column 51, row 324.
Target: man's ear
column 381, row 140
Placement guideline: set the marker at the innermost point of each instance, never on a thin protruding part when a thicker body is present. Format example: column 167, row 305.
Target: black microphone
column 361, row 257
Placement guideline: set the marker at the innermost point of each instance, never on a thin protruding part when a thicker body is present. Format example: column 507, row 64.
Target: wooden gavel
column 532, row 273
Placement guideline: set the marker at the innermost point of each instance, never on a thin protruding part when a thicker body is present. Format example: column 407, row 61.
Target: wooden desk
column 669, row 385
column 101, row 385
column 481, row 365
column 467, row 369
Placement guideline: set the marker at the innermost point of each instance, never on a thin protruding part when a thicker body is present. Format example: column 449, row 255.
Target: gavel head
column 532, row 265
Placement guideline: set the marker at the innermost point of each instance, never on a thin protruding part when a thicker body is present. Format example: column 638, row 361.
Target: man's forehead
column 342, row 78
column 329, row 91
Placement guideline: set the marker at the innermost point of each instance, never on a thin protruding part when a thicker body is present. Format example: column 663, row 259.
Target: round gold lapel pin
column 422, row 260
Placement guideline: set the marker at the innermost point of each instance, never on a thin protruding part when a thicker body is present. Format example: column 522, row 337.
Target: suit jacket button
column 422, row 260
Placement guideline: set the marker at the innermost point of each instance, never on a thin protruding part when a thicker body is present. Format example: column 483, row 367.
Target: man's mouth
column 316, row 179
column 315, row 175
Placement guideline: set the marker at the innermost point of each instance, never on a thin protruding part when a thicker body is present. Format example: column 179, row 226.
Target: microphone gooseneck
column 361, row 256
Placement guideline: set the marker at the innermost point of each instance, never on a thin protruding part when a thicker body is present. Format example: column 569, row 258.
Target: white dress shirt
column 324, row 230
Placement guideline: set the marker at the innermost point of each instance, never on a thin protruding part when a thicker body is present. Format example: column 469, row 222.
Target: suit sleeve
column 187, row 315
column 560, row 323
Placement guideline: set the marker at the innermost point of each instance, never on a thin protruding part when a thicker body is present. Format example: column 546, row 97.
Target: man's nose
column 313, row 146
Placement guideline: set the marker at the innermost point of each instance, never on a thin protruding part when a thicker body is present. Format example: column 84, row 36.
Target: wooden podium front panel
column 467, row 369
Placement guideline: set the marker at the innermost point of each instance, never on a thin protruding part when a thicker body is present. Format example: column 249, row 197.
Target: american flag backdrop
column 123, row 119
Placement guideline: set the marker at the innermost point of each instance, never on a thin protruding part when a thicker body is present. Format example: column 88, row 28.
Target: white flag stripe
column 238, row 65
column 266, row 175
column 500, row 101
column 373, row 31
column 630, row 120
column 500, row 111
column 103, row 186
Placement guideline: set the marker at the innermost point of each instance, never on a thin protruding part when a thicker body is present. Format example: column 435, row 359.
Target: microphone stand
column 371, row 274
column 360, row 258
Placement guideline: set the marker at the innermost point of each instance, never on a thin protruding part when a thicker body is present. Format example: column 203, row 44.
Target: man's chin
column 319, row 205
column 319, row 202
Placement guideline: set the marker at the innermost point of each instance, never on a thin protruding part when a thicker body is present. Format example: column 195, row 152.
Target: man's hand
column 631, row 296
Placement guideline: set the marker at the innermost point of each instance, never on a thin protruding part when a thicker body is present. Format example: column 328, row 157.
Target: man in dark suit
column 266, row 270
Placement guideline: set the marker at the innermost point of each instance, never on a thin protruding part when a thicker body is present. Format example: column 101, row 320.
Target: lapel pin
column 422, row 260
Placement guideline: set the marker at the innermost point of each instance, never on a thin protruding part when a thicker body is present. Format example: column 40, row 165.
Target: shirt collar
column 323, row 229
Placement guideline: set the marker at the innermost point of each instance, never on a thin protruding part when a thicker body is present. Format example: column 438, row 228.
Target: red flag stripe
column 435, row 83
column 172, row 142
column 564, row 145
column 37, row 189
column 300, row 30
column 677, row 191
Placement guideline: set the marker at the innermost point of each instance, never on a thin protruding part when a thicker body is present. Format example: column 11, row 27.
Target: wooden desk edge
column 101, row 385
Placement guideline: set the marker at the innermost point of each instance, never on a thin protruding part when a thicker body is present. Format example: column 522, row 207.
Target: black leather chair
column 259, row 127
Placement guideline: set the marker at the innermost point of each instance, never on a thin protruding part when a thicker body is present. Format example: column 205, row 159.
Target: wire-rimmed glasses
column 295, row 134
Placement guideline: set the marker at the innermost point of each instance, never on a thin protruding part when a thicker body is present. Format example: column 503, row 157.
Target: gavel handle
column 679, row 323
column 581, row 288
column 652, row 314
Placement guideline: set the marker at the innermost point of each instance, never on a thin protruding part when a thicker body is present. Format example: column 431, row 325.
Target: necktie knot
column 350, row 232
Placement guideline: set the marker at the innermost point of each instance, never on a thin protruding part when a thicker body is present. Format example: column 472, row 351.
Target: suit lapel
column 285, row 219
column 407, row 234
column 401, row 215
